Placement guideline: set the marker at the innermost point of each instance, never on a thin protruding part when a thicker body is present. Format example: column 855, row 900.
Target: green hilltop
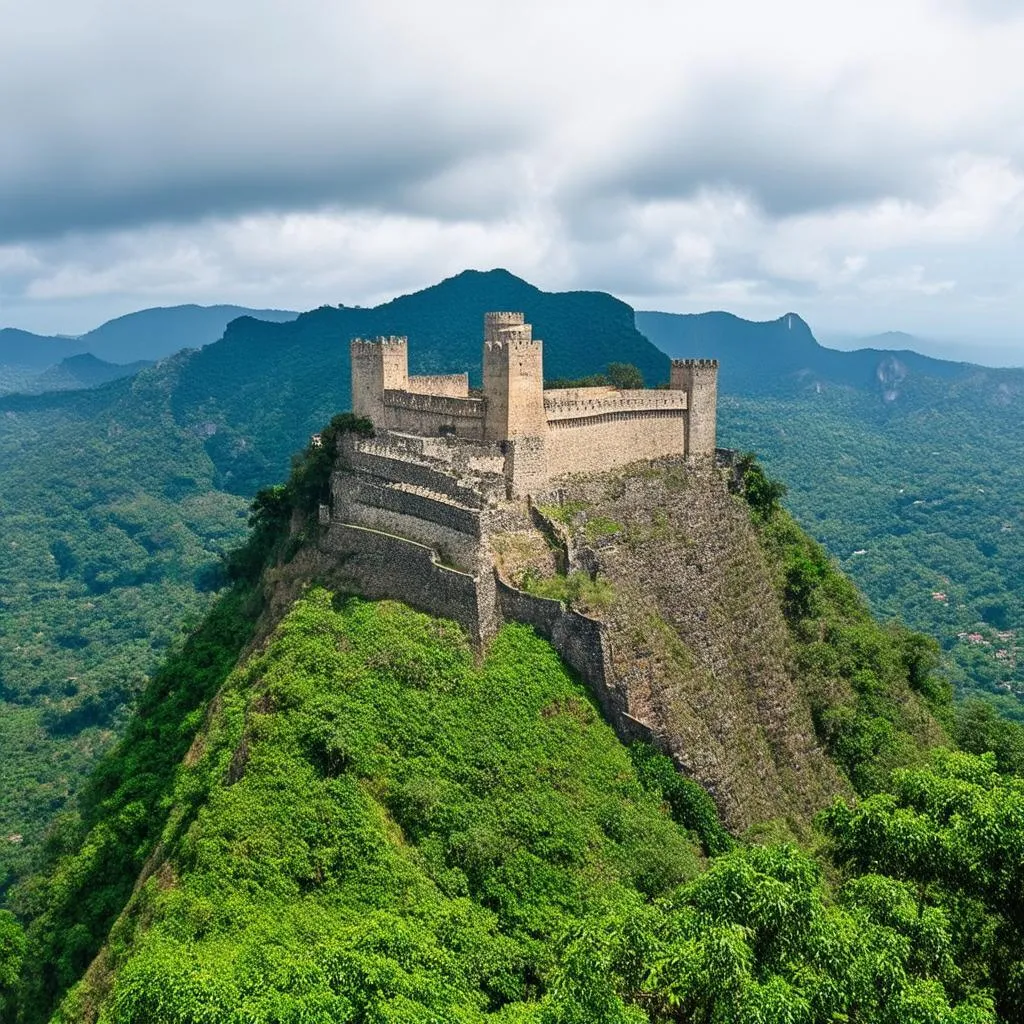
column 361, row 818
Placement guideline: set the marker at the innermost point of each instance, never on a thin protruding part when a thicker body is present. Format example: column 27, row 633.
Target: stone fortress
column 540, row 434
column 416, row 511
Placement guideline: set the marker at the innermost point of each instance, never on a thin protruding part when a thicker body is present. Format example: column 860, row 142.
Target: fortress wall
column 571, row 403
column 378, row 565
column 581, row 643
column 433, row 414
column 396, row 470
column 597, row 443
column 450, row 385
column 454, row 532
column 465, row 455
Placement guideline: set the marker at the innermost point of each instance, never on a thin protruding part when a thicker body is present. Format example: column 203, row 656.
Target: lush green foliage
column 757, row 938
column 931, row 530
column 388, row 831
column 954, row 831
column 762, row 493
column 690, row 805
column 12, row 953
column 623, row 376
column 374, row 827
column 93, row 856
column 979, row 728
column 112, row 544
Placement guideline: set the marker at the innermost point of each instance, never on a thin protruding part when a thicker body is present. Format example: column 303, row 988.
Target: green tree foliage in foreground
column 12, row 952
column 390, row 831
column 954, row 832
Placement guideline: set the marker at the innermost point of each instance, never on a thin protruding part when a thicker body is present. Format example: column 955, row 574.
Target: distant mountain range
column 783, row 356
column 129, row 341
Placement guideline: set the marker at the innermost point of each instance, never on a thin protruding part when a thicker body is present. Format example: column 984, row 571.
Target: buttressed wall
column 543, row 434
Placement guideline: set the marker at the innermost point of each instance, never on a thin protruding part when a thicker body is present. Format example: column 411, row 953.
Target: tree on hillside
column 954, row 830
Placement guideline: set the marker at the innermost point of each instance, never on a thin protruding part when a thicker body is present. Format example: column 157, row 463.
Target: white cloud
column 860, row 161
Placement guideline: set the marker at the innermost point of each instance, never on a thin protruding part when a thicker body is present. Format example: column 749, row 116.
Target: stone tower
column 699, row 379
column 378, row 364
column 513, row 379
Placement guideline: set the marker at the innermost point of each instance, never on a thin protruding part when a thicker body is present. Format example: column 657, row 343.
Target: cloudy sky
column 861, row 163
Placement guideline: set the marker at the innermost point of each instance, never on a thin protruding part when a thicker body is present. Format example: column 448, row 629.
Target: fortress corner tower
column 378, row 365
column 698, row 379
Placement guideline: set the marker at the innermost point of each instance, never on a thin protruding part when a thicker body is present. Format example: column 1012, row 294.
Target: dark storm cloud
column 140, row 117
column 127, row 189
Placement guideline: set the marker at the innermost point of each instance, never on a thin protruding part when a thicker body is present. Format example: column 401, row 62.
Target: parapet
column 495, row 322
column 513, row 338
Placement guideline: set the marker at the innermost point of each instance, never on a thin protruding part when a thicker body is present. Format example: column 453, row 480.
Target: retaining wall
column 379, row 565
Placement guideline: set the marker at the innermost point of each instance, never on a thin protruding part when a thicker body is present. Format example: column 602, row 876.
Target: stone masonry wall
column 602, row 442
column 362, row 505
column 432, row 414
column 378, row 565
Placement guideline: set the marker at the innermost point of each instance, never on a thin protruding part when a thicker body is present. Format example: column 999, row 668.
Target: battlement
column 710, row 363
column 368, row 345
column 569, row 403
column 540, row 435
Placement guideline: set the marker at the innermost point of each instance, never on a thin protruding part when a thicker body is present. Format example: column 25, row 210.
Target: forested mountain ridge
column 128, row 341
column 905, row 467
column 118, row 502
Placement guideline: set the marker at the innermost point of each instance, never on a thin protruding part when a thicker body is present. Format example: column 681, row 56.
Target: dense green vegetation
column 931, row 528
column 858, row 672
column 112, row 542
column 616, row 375
column 94, row 854
column 953, row 834
column 376, row 827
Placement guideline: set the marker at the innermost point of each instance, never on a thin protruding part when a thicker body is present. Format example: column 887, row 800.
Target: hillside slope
column 905, row 467
column 373, row 822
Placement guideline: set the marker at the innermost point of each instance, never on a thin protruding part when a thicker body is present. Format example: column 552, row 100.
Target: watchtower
column 378, row 364
column 513, row 379
column 699, row 379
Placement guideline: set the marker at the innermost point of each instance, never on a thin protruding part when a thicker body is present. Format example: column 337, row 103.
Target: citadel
column 418, row 511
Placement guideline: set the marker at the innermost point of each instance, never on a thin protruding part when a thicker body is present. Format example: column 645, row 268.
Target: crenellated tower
column 513, row 379
column 699, row 379
column 378, row 365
